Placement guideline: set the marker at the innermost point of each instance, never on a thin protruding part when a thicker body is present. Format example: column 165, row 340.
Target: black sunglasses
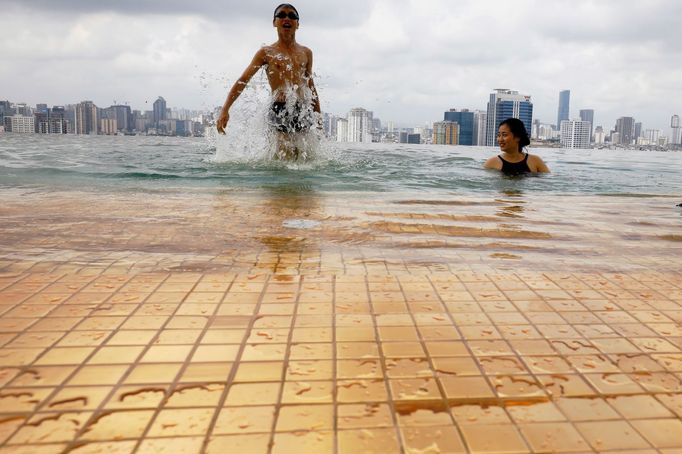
column 290, row 15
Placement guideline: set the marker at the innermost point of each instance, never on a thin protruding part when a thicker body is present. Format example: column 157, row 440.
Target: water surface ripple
column 139, row 163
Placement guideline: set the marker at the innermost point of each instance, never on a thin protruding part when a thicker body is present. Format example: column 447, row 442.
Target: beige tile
column 611, row 435
column 507, row 439
column 375, row 440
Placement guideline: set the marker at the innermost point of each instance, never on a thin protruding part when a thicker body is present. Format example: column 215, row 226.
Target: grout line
column 171, row 387
column 235, row 365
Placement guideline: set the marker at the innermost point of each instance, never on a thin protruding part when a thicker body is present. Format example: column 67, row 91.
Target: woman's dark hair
column 518, row 129
column 282, row 6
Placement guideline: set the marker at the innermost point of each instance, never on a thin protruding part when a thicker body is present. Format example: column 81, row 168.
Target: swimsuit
column 515, row 168
column 296, row 118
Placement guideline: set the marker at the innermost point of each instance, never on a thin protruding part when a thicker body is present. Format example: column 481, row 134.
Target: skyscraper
column 123, row 116
column 575, row 134
column 599, row 135
column 465, row 120
column 58, row 122
column 159, row 111
column 564, row 107
column 625, row 128
column 505, row 104
column 86, row 118
column 639, row 131
column 359, row 125
column 676, row 132
column 480, row 120
column 588, row 115
column 341, row 130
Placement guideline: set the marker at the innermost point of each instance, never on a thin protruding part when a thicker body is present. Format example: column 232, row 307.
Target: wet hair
column 274, row 15
column 518, row 129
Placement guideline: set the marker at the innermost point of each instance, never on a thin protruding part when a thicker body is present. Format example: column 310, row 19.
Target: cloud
column 407, row 60
column 227, row 12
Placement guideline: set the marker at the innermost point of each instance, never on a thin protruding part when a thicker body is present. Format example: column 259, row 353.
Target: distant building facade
column 588, row 115
column 575, row 134
column 21, row 124
column 465, row 120
column 446, row 133
column 564, row 109
column 86, row 118
column 341, row 130
column 599, row 135
column 360, row 125
column 505, row 104
column 480, row 124
column 676, row 137
column 160, row 111
column 625, row 128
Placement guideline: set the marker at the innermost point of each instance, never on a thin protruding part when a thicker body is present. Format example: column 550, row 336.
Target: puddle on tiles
column 518, row 386
column 196, row 395
column 411, row 367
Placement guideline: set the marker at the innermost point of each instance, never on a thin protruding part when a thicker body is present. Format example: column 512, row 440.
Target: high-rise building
column 676, row 138
column 446, row 133
column 650, row 137
column 21, row 108
column 414, row 138
column 639, row 131
column 341, row 130
column 42, row 121
column 5, row 109
column 564, row 107
column 59, row 123
column 160, row 111
column 505, row 104
column 480, row 120
column 123, row 116
column 625, row 128
column 329, row 125
column 575, row 134
column 108, row 126
column 599, row 135
column 22, row 124
column 588, row 115
column 86, row 118
column 359, row 125
column 465, row 120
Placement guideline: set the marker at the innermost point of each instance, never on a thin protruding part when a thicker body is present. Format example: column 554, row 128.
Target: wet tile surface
column 357, row 338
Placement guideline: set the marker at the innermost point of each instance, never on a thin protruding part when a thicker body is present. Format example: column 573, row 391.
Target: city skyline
column 459, row 126
column 376, row 54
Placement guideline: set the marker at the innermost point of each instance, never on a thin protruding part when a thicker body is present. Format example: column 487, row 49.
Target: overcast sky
column 408, row 61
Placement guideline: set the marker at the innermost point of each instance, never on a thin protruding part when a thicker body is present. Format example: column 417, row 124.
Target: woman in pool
column 512, row 137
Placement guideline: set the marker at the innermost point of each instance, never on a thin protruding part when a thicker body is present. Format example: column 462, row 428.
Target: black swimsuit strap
column 525, row 158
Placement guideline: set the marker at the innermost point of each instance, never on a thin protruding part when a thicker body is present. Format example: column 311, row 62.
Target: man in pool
column 289, row 67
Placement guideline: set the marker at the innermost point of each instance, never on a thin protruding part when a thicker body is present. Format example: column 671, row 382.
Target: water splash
column 251, row 138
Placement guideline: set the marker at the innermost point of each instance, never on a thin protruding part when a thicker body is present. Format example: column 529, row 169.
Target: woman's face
column 506, row 140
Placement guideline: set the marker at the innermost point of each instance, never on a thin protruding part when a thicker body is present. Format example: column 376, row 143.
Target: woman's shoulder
column 494, row 162
column 536, row 163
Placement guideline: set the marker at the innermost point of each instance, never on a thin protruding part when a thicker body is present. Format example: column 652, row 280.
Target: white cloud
column 407, row 60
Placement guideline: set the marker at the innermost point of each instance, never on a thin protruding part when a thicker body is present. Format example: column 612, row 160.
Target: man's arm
column 311, row 83
column 238, row 87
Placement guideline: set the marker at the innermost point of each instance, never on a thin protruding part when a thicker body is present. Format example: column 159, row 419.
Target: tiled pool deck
column 216, row 324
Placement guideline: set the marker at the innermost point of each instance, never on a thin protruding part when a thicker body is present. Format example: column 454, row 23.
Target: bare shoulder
column 493, row 163
column 536, row 163
column 306, row 50
column 263, row 54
